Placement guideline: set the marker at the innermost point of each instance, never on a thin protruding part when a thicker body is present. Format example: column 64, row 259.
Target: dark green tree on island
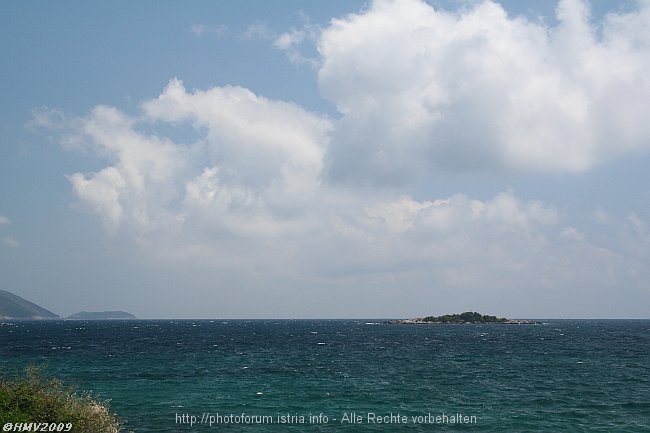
column 467, row 317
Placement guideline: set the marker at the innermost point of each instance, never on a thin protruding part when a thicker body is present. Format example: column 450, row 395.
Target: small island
column 102, row 315
column 467, row 317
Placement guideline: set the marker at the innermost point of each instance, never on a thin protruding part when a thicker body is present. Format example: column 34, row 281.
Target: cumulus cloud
column 4, row 220
column 265, row 190
column 256, row 163
column 421, row 89
column 140, row 180
column 247, row 195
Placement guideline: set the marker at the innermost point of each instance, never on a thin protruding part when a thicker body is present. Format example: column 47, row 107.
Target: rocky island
column 102, row 315
column 467, row 317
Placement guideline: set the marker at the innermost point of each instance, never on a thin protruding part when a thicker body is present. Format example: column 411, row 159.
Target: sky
column 338, row 159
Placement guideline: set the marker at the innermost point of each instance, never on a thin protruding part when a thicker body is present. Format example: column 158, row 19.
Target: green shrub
column 33, row 398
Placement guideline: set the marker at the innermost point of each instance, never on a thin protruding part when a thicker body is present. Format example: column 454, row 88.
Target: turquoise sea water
column 170, row 375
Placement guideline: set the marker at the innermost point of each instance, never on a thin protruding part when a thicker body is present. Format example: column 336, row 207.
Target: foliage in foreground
column 34, row 398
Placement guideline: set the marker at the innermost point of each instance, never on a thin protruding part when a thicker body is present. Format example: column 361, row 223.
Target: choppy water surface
column 563, row 376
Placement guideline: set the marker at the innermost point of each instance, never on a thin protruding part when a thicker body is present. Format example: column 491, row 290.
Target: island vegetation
column 34, row 398
column 466, row 317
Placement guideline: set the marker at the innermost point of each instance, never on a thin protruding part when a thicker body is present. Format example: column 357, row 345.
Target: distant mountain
column 101, row 315
column 14, row 307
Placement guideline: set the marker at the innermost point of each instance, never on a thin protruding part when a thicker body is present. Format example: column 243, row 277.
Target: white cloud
column 423, row 90
column 101, row 192
column 4, row 220
column 140, row 180
column 248, row 197
column 296, row 42
column 259, row 143
column 254, row 168
column 440, row 235
column 253, row 193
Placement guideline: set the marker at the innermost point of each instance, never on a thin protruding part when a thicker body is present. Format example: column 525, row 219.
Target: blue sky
column 326, row 159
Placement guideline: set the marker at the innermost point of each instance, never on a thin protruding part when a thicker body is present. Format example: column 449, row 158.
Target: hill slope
column 14, row 307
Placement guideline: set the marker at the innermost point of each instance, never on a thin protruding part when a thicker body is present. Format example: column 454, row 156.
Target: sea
column 348, row 375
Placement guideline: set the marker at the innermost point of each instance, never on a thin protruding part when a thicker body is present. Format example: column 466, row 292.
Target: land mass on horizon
column 101, row 315
column 466, row 317
column 13, row 307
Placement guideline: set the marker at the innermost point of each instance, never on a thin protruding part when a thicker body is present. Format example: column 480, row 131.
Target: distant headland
column 467, row 317
column 13, row 307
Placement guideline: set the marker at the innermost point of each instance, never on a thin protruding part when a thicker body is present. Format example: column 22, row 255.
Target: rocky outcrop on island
column 13, row 307
column 102, row 315
column 467, row 317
